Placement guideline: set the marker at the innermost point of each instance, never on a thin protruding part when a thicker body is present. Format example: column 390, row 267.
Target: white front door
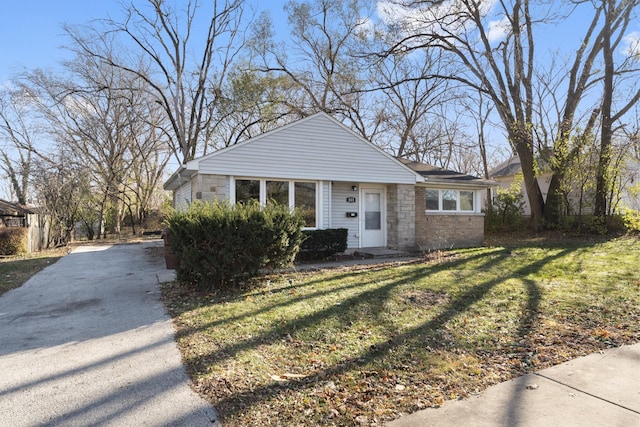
column 373, row 224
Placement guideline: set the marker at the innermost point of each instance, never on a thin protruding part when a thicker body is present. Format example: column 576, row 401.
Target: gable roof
column 509, row 167
column 317, row 147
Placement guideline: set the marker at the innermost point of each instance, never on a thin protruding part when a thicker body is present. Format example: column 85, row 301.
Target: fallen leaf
column 293, row 375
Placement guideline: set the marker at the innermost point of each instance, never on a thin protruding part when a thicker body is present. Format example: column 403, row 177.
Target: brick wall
column 401, row 216
column 444, row 230
column 209, row 187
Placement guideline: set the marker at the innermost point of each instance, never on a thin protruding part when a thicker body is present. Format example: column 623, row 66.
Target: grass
column 363, row 345
column 15, row 270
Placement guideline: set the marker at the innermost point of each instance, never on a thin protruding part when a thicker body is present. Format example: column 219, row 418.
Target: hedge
column 219, row 243
column 13, row 240
column 322, row 244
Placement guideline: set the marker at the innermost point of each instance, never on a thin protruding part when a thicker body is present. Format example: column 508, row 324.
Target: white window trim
column 440, row 210
column 263, row 193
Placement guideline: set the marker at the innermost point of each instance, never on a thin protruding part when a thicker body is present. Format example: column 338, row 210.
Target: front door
column 373, row 223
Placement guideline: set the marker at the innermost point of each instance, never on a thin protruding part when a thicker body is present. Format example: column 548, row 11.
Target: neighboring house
column 506, row 172
column 340, row 180
column 630, row 183
column 15, row 215
column 579, row 202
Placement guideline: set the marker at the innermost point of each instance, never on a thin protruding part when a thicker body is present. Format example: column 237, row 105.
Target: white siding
column 339, row 192
column 325, row 204
column 316, row 148
column 182, row 196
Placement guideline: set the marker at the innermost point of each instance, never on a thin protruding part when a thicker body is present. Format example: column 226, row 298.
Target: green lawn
column 16, row 270
column 363, row 345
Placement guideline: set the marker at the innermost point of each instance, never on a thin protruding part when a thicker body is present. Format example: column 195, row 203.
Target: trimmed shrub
column 218, row 243
column 13, row 240
column 322, row 244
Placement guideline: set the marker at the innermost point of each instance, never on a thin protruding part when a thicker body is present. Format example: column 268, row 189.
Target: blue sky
column 31, row 30
column 31, row 34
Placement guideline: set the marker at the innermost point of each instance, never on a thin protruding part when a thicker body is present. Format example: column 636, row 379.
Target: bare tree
column 495, row 45
column 410, row 101
column 105, row 119
column 167, row 40
column 321, row 59
column 617, row 16
column 18, row 129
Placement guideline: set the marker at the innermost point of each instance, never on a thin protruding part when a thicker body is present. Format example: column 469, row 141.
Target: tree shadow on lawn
column 341, row 310
column 371, row 302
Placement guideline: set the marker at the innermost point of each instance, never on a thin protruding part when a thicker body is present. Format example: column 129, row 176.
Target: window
column 305, row 201
column 433, row 200
column 247, row 190
column 295, row 194
column 278, row 192
column 466, row 200
column 450, row 200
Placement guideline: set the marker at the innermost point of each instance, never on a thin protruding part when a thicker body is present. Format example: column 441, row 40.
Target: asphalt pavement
column 87, row 342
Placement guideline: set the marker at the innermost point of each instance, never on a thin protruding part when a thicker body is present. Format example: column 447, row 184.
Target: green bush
column 631, row 220
column 321, row 244
column 218, row 243
column 13, row 240
column 506, row 212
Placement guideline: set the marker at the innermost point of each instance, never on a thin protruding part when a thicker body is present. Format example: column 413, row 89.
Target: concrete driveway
column 88, row 342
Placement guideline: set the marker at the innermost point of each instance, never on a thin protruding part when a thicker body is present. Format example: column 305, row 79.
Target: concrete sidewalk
column 601, row 389
column 87, row 341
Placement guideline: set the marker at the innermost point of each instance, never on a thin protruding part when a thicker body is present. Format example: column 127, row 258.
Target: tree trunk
column 534, row 195
column 604, row 158
column 554, row 202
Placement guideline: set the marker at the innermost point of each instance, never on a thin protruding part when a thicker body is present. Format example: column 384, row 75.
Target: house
column 579, row 198
column 506, row 173
column 340, row 180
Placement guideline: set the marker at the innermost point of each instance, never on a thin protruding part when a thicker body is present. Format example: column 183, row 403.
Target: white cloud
column 631, row 44
column 497, row 30
column 445, row 17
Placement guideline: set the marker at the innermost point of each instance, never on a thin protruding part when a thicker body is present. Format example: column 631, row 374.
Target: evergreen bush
column 219, row 243
column 322, row 244
column 13, row 240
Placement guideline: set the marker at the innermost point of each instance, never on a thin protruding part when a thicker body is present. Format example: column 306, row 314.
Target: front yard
column 362, row 345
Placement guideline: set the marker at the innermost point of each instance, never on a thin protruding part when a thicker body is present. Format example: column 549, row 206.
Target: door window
column 372, row 211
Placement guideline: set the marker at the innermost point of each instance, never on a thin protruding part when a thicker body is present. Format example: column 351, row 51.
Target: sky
column 31, row 34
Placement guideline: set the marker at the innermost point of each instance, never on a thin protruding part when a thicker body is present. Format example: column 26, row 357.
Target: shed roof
column 13, row 209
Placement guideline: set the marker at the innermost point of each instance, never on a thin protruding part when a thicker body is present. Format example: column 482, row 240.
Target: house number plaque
column 351, row 199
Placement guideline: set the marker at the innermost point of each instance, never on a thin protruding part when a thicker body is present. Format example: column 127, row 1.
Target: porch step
column 367, row 253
